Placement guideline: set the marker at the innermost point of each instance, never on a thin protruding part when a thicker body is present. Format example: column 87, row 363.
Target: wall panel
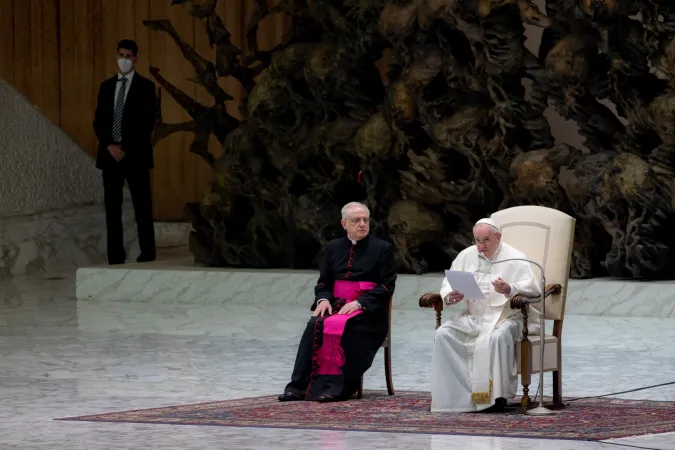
column 173, row 161
column 7, row 64
column 29, row 56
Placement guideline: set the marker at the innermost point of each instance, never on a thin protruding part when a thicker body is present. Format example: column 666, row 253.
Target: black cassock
column 368, row 260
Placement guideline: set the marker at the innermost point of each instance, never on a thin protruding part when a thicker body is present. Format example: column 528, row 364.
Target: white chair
column 546, row 236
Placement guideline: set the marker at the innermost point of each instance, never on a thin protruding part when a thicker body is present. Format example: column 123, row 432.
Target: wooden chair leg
column 557, row 387
column 387, row 370
column 359, row 395
column 525, row 375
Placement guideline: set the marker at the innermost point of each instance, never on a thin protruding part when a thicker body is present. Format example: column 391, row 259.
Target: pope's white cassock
column 474, row 359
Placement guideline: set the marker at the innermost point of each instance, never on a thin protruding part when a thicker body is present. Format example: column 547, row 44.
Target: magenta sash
column 331, row 356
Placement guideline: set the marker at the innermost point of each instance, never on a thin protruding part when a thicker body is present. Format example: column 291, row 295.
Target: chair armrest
column 431, row 301
column 520, row 301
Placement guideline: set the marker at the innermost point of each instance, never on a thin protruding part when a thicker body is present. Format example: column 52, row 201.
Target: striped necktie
column 119, row 110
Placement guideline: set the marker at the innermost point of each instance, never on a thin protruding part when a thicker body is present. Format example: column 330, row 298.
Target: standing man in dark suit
column 124, row 122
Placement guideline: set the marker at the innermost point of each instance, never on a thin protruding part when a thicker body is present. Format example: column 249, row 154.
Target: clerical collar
column 355, row 242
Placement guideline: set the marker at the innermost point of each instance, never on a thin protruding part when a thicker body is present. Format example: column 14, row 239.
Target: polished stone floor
column 60, row 357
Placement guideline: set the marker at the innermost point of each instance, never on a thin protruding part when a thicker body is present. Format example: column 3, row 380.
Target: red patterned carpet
column 408, row 412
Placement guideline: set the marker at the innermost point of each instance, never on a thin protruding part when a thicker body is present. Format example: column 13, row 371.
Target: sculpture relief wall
column 459, row 130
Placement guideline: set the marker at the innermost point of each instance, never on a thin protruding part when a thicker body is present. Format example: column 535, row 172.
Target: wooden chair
column 546, row 236
column 387, row 361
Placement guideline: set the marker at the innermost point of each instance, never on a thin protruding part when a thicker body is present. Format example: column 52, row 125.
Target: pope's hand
column 501, row 286
column 454, row 297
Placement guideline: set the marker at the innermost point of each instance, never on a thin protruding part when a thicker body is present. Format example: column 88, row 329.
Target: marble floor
column 62, row 357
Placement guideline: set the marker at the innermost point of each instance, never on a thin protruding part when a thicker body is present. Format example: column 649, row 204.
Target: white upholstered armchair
column 546, row 236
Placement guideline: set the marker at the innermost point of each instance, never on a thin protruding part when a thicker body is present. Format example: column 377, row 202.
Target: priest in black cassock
column 351, row 313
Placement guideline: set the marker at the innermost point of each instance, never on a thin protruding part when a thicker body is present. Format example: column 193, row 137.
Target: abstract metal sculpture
column 453, row 136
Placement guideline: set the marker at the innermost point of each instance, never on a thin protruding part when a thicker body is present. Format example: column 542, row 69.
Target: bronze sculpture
column 457, row 132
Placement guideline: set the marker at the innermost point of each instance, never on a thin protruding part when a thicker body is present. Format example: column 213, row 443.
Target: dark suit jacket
column 138, row 123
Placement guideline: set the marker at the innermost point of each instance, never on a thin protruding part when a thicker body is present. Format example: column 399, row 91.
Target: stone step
column 184, row 282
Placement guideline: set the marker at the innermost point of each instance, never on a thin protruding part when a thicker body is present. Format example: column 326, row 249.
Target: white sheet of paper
column 464, row 283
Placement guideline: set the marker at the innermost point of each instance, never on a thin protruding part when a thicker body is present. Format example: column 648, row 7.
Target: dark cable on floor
column 627, row 445
column 607, row 395
column 622, row 392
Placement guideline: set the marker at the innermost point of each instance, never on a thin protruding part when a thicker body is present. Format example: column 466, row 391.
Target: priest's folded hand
column 323, row 308
column 349, row 308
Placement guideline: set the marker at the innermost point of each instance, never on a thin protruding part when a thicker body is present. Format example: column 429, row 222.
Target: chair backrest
column 546, row 236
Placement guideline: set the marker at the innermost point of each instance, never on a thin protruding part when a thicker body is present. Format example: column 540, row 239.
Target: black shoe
column 142, row 258
column 117, row 261
column 499, row 407
column 117, row 258
column 325, row 398
column 289, row 397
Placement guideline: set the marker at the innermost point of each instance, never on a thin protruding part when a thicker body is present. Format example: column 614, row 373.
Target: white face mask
column 124, row 65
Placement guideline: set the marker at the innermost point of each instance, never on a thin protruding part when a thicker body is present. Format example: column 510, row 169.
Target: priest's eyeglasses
column 356, row 220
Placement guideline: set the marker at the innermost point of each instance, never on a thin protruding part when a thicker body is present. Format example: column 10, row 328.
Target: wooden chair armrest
column 431, row 301
column 520, row 301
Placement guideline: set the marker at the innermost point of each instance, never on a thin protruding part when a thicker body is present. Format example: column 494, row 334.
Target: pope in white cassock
column 474, row 359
